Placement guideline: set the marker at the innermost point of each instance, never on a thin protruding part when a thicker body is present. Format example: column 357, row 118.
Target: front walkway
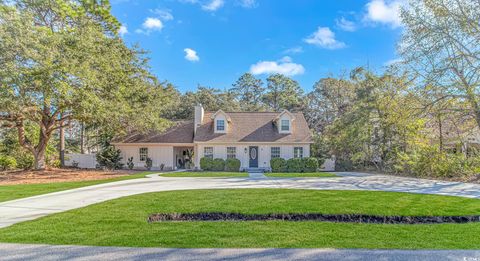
column 47, row 252
column 20, row 210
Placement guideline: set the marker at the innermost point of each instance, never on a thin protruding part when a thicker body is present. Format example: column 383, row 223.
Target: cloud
column 324, row 38
column 123, row 30
column 248, row 3
column 149, row 25
column 346, row 25
column 191, row 55
column 163, row 14
column 294, row 50
column 285, row 66
column 384, row 12
column 213, row 5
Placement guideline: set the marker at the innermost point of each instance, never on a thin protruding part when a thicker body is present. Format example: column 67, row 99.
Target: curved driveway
column 20, row 210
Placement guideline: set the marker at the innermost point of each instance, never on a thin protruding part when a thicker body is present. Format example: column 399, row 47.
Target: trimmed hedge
column 295, row 165
column 206, row 163
column 232, row 165
column 310, row 164
column 218, row 165
column 278, row 165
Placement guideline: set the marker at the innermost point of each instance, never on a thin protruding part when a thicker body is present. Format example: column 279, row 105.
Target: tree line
column 65, row 69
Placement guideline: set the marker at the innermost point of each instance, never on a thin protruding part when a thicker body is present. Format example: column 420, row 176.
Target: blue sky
column 213, row 42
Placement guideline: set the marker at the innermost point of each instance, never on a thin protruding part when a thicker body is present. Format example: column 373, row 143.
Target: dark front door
column 253, row 152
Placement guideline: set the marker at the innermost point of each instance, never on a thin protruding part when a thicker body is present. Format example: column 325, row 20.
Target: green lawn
column 205, row 174
column 11, row 192
column 300, row 175
column 122, row 222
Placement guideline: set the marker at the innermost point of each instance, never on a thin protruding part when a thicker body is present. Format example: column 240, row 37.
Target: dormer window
column 285, row 125
column 220, row 125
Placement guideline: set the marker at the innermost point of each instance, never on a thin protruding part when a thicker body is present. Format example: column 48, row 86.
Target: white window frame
column 275, row 155
column 287, row 126
column 298, row 152
column 216, row 127
column 208, row 152
column 231, row 152
column 143, row 153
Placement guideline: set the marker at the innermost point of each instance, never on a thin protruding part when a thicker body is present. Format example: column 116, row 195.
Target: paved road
column 47, row 252
column 20, row 210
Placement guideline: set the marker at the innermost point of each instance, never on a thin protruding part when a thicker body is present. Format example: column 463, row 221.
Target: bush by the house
column 310, row 164
column 7, row 163
column 218, row 165
column 295, row 165
column 130, row 163
column 109, row 158
column 206, row 164
column 232, row 165
column 278, row 165
column 148, row 163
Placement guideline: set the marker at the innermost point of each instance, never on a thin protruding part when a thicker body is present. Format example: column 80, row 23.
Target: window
column 285, row 125
column 143, row 154
column 208, row 152
column 298, row 152
column 275, row 152
column 231, row 152
column 220, row 125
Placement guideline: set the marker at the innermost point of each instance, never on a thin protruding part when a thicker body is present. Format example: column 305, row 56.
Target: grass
column 301, row 175
column 205, row 174
column 122, row 222
column 11, row 192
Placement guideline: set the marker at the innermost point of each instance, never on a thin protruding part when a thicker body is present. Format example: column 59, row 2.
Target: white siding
column 158, row 154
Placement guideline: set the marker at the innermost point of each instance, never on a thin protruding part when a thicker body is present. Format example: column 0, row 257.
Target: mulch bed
column 56, row 175
column 351, row 218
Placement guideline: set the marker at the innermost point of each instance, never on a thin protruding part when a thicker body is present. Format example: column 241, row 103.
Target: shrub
column 218, row 165
column 130, row 163
column 295, row 165
column 109, row 158
column 278, row 165
column 7, row 163
column 343, row 165
column 206, row 163
column 148, row 163
column 232, row 165
column 24, row 160
column 310, row 164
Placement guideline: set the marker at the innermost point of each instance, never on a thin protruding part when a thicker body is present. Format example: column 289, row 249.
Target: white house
column 252, row 137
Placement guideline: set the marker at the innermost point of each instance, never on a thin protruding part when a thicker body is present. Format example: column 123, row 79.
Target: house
column 252, row 137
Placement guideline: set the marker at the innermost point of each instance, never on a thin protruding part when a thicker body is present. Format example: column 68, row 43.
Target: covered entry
column 183, row 157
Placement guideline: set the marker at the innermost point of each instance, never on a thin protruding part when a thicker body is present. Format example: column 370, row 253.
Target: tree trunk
column 39, row 160
column 82, row 138
column 61, row 145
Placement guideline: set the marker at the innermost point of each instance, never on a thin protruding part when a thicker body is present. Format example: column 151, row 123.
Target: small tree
column 109, row 157
column 130, row 163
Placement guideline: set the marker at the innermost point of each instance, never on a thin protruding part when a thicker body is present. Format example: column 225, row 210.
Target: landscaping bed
column 123, row 221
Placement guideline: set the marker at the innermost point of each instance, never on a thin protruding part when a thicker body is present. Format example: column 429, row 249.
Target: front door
column 253, row 152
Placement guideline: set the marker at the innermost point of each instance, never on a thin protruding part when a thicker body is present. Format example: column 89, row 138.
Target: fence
column 84, row 161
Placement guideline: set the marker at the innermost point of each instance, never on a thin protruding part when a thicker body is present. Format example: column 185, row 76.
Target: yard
column 21, row 184
column 123, row 222
column 301, row 175
column 210, row 174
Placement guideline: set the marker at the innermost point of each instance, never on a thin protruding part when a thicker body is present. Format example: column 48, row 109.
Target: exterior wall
column 85, row 161
column 158, row 153
column 220, row 151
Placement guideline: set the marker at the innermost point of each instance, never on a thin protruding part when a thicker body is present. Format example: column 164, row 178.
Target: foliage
column 232, row 165
column 310, row 164
column 130, row 163
column 283, row 93
column 24, row 160
column 7, row 162
column 295, row 165
column 148, row 163
column 249, row 92
column 218, row 164
column 278, row 165
column 109, row 157
column 206, row 164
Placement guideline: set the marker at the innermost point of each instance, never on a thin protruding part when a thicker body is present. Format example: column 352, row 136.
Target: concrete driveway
column 20, row 210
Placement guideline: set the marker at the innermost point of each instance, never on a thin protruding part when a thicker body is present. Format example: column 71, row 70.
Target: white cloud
column 324, row 38
column 285, row 66
column 163, row 14
column 345, row 24
column 248, row 3
column 123, row 30
column 153, row 24
column 191, row 55
column 384, row 12
column 213, row 5
column 294, row 50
